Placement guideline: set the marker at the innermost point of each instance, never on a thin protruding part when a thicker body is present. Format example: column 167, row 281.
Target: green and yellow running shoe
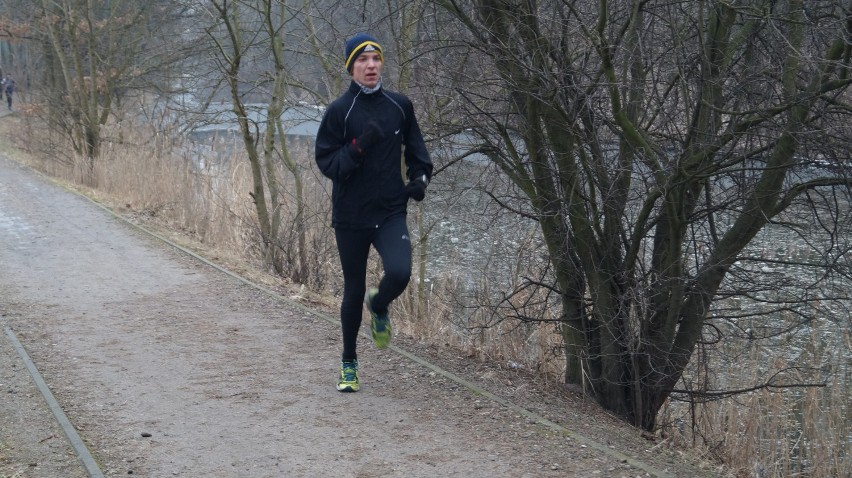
column 379, row 323
column 348, row 381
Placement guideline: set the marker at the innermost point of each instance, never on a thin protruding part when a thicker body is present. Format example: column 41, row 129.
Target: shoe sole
column 348, row 388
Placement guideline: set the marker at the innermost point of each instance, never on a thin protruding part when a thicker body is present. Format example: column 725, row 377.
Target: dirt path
column 166, row 366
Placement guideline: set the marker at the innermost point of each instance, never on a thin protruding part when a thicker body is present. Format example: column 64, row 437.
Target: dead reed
column 775, row 431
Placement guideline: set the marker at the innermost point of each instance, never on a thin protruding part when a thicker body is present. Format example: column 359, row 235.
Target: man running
column 359, row 147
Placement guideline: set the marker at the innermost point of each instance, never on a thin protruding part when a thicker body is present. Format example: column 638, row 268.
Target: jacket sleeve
column 336, row 158
column 417, row 160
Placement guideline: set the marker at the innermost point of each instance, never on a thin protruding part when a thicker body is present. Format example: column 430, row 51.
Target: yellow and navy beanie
column 357, row 45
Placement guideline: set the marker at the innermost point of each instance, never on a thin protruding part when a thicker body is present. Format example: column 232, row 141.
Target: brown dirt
column 223, row 379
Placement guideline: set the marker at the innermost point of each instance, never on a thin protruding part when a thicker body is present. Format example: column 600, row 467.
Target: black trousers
column 392, row 243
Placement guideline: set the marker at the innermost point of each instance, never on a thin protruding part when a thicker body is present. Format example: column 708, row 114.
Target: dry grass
column 773, row 432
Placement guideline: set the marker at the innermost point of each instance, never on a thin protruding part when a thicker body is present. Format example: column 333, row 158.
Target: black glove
column 371, row 135
column 416, row 189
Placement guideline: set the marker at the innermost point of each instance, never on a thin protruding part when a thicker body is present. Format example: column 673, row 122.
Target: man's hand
column 371, row 135
column 416, row 189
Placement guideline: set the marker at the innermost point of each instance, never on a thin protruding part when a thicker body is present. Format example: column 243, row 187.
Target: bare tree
column 654, row 143
column 95, row 51
column 16, row 29
column 241, row 29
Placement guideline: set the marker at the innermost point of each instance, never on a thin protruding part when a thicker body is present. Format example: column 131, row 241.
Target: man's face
column 367, row 68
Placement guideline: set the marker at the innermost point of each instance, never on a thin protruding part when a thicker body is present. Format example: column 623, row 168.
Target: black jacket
column 368, row 188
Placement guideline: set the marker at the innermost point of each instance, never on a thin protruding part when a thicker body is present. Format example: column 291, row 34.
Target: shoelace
column 381, row 322
column 349, row 372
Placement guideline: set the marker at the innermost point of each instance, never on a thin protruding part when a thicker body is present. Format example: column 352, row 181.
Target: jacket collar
column 355, row 88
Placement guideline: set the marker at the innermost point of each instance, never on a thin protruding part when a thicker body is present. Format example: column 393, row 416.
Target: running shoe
column 379, row 323
column 348, row 381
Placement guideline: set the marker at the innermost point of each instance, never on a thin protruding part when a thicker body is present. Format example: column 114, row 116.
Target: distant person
column 359, row 146
column 9, row 88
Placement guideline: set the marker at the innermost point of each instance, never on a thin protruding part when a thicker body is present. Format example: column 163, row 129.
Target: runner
column 359, row 147
column 9, row 88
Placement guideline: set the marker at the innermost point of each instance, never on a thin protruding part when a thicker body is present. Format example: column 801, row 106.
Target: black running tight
column 392, row 243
